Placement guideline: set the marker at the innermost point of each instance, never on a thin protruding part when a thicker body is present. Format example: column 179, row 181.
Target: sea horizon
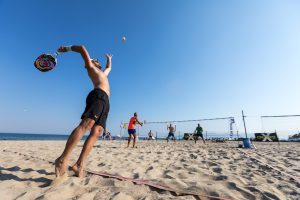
column 44, row 136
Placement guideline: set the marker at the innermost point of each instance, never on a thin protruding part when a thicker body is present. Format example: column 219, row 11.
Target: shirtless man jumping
column 171, row 133
column 95, row 115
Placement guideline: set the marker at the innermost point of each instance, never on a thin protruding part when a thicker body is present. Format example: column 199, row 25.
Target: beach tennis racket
column 46, row 62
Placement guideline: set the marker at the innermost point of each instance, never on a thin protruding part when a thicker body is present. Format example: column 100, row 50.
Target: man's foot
column 78, row 170
column 60, row 167
column 134, row 147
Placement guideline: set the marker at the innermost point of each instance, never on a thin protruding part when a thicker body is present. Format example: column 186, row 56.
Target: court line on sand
column 158, row 186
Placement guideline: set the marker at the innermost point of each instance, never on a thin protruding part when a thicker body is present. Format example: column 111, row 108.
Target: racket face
column 45, row 63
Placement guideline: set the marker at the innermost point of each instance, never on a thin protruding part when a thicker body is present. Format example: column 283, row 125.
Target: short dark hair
column 135, row 114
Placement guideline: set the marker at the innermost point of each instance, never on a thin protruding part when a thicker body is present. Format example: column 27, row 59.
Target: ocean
column 26, row 136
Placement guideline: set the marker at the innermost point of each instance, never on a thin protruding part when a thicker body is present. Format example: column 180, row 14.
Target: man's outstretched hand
column 108, row 56
column 62, row 49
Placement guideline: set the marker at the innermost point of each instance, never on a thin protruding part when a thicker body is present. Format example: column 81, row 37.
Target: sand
column 215, row 169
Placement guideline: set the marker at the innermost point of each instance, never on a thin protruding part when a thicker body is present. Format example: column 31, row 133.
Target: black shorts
column 97, row 107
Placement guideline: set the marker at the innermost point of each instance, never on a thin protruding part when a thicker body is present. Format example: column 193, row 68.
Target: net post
column 206, row 136
column 237, row 132
column 179, row 136
column 277, row 137
column 244, row 124
column 262, row 125
column 156, row 136
column 120, row 133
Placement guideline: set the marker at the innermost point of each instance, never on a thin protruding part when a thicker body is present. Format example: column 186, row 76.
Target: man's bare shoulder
column 95, row 70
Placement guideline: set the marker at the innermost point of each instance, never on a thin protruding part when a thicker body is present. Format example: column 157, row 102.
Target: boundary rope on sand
column 270, row 166
column 155, row 185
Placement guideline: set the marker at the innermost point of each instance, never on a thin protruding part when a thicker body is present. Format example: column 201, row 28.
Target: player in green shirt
column 199, row 130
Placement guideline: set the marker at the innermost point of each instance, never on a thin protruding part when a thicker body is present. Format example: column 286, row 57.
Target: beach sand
column 216, row 170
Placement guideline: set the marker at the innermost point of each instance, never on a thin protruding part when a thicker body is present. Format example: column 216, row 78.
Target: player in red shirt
column 131, row 128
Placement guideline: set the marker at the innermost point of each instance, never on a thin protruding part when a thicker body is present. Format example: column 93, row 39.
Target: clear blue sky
column 181, row 60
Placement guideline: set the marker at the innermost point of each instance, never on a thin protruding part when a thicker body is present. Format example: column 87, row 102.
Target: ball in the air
column 123, row 38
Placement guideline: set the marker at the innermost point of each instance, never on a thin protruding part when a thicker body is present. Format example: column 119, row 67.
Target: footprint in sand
column 60, row 179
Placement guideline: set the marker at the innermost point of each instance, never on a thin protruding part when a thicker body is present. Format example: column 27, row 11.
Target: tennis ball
column 123, row 38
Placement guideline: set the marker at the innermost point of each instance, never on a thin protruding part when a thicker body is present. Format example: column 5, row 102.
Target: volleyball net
column 286, row 126
column 212, row 128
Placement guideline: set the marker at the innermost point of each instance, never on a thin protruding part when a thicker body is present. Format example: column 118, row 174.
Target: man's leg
column 134, row 140
column 168, row 139
column 87, row 147
column 174, row 139
column 130, row 136
column 196, row 139
column 76, row 135
column 203, row 139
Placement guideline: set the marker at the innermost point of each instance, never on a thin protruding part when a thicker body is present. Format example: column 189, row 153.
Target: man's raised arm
column 108, row 65
column 79, row 49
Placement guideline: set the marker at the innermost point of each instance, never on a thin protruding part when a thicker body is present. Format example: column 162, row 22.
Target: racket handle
column 55, row 53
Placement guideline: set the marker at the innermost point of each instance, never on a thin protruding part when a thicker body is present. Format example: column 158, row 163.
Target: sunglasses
column 95, row 60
